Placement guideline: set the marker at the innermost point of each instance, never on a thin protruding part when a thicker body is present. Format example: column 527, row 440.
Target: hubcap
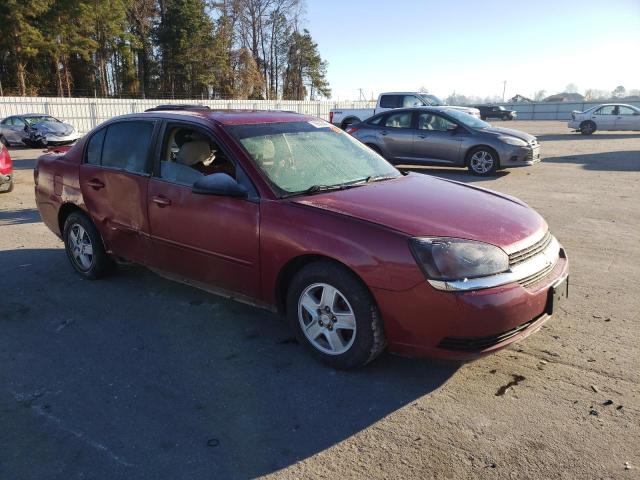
column 327, row 319
column 80, row 247
column 482, row 161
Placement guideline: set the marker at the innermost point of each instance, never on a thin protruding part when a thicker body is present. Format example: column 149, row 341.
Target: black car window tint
column 94, row 148
column 126, row 146
column 389, row 101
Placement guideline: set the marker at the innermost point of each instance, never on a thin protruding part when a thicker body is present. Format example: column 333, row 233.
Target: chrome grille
column 531, row 251
column 536, row 277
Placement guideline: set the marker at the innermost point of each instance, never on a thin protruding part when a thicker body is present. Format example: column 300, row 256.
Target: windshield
column 41, row 119
column 301, row 156
column 432, row 100
column 466, row 119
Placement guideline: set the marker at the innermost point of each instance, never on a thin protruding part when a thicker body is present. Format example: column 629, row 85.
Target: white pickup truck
column 387, row 101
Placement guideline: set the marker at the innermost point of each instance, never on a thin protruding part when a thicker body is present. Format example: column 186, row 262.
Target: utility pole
column 504, row 89
column 361, row 97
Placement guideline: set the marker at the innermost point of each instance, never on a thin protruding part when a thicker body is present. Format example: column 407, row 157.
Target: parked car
column 387, row 101
column 439, row 136
column 496, row 111
column 36, row 130
column 610, row 116
column 288, row 212
column 6, row 170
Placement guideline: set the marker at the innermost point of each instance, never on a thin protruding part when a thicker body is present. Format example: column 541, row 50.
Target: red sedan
column 290, row 213
column 6, row 170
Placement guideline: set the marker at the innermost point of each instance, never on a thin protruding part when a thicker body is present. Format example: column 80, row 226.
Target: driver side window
column 189, row 154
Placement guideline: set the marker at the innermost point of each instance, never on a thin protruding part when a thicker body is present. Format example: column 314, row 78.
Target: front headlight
column 457, row 258
column 513, row 141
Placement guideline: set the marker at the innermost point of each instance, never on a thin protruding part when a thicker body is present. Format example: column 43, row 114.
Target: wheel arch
column 65, row 210
column 293, row 266
column 345, row 123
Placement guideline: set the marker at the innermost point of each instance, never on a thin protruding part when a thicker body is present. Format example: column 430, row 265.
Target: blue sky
column 472, row 46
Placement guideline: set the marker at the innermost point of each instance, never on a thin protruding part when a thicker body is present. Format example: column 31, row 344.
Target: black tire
column 506, row 117
column 587, row 127
column 101, row 264
column 474, row 167
column 368, row 341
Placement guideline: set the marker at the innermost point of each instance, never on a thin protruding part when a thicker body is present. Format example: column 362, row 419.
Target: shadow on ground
column 18, row 217
column 135, row 376
column 586, row 138
column 621, row 161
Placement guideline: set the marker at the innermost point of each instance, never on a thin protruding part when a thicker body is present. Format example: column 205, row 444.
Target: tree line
column 254, row 49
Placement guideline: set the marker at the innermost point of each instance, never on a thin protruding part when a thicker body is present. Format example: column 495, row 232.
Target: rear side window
column 399, row 120
column 126, row 146
column 390, row 101
column 94, row 148
column 375, row 120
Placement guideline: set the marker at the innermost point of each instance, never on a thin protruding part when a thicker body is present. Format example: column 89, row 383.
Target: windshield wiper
column 378, row 178
column 326, row 188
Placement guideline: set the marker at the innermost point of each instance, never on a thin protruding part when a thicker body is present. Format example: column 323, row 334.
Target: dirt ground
column 138, row 377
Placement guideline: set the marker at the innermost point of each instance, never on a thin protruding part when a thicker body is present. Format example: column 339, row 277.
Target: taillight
column 330, row 117
column 5, row 160
column 351, row 130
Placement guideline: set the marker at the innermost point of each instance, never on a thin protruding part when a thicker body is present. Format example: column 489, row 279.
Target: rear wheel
column 84, row 247
column 587, row 128
column 482, row 161
column 334, row 316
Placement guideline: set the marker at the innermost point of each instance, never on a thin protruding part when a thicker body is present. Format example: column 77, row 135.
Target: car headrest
column 194, row 152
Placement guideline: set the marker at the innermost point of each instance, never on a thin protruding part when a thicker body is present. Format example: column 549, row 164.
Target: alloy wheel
column 326, row 319
column 481, row 162
column 80, row 247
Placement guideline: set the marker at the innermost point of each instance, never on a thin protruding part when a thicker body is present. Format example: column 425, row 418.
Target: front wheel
column 334, row 316
column 587, row 128
column 84, row 248
column 482, row 161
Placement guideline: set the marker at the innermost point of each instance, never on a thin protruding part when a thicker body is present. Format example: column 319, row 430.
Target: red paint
column 246, row 246
column 6, row 165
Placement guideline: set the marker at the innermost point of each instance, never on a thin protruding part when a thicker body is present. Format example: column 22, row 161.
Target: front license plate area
column 558, row 293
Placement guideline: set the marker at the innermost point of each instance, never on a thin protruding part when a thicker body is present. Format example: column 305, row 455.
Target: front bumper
column 514, row 156
column 423, row 321
column 573, row 124
column 61, row 140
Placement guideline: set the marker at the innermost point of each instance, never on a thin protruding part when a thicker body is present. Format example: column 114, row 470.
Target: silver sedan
column 36, row 130
column 438, row 136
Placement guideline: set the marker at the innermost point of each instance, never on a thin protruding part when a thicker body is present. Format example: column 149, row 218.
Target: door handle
column 422, row 136
column 95, row 184
column 161, row 201
column 384, row 133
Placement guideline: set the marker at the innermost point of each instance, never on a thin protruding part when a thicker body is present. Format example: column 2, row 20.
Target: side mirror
column 219, row 184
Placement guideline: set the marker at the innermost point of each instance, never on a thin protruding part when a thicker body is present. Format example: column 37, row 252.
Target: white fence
column 86, row 113
column 552, row 110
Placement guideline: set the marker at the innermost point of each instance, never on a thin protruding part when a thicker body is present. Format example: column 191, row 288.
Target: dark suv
column 493, row 111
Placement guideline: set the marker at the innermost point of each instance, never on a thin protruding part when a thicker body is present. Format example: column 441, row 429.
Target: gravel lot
column 139, row 377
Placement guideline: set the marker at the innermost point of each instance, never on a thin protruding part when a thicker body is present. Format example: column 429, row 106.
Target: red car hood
column 421, row 205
